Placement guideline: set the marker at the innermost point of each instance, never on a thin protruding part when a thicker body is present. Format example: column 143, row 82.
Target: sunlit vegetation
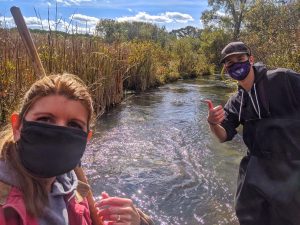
column 138, row 56
column 273, row 32
column 271, row 28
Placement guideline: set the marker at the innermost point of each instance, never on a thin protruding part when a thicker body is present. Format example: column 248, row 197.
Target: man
column 267, row 104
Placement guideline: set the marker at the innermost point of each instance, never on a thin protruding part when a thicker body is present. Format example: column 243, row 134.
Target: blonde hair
column 68, row 85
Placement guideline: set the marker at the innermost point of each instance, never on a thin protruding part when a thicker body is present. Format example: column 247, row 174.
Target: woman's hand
column 117, row 211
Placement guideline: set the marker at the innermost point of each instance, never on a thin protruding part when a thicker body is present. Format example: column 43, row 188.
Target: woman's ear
column 90, row 134
column 16, row 125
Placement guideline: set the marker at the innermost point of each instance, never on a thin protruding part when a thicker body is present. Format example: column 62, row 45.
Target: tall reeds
column 106, row 68
column 13, row 63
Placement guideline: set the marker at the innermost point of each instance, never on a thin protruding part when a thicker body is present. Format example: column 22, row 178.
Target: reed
column 12, row 64
column 106, row 68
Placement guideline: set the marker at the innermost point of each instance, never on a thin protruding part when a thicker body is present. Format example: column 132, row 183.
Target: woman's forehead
column 59, row 105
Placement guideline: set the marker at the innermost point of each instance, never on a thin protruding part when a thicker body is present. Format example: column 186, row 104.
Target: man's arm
column 223, row 121
column 218, row 131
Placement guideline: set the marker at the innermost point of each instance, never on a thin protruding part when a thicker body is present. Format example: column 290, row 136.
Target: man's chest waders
column 268, row 190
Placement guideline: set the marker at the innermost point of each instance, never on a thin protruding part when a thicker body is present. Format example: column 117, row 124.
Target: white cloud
column 144, row 17
column 123, row 4
column 84, row 19
column 31, row 22
column 179, row 17
column 64, row 2
column 6, row 21
column 201, row 26
column 167, row 17
column 220, row 13
column 129, row 9
column 73, row 2
column 36, row 23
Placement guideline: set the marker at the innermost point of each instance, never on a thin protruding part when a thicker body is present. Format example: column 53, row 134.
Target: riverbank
column 138, row 56
column 108, row 69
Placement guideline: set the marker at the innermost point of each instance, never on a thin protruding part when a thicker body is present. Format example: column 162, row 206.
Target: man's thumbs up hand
column 215, row 114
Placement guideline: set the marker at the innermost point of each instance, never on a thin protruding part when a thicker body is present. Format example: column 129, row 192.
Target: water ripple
column 156, row 148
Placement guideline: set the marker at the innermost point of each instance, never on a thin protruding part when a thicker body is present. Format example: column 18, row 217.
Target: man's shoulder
column 279, row 72
column 282, row 75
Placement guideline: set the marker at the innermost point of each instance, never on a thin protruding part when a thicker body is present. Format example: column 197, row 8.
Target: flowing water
column 156, row 148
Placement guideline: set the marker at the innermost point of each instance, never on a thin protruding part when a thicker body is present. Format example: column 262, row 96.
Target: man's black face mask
column 48, row 150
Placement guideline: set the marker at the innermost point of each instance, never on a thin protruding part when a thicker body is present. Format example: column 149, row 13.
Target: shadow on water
column 156, row 148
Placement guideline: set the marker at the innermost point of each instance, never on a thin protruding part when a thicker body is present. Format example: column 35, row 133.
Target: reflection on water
column 156, row 148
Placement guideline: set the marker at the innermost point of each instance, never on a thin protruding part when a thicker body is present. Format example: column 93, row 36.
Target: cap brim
column 233, row 53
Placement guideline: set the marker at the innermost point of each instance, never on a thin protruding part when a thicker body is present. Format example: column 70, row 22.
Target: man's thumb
column 209, row 103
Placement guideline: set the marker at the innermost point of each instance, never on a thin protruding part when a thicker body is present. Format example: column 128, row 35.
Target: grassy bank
column 108, row 69
column 137, row 56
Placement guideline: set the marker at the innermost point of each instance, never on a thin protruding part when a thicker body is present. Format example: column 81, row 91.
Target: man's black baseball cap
column 234, row 48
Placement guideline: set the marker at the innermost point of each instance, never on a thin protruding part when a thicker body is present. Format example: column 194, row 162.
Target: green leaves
column 272, row 31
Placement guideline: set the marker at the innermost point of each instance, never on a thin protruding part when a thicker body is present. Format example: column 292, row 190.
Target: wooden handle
column 81, row 176
column 28, row 42
column 40, row 72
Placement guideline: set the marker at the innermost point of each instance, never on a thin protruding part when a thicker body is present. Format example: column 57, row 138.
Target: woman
column 38, row 153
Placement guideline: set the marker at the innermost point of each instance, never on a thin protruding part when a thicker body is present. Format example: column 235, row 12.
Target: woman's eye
column 44, row 119
column 75, row 125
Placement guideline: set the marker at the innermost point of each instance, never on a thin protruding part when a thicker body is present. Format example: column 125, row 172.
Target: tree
column 108, row 29
column 228, row 14
column 111, row 31
column 212, row 41
column 272, row 31
column 188, row 31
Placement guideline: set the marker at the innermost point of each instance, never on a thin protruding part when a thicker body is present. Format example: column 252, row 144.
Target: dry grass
column 103, row 67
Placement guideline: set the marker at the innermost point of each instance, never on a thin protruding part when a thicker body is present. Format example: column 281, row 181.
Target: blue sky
column 84, row 14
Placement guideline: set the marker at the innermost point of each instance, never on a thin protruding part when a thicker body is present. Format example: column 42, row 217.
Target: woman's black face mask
column 48, row 150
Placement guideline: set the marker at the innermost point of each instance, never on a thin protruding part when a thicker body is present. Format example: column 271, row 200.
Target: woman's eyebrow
column 43, row 114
